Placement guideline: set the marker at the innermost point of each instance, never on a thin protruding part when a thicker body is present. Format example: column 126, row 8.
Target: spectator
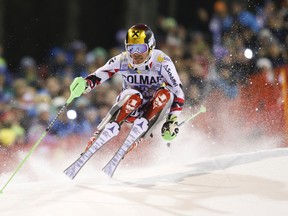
column 276, row 54
column 225, row 82
column 240, row 65
column 64, row 126
column 264, row 65
column 52, row 87
column 201, row 24
column 5, row 89
column 194, row 95
column 40, row 123
column 88, row 122
column 58, row 61
column 275, row 24
column 264, row 12
column 242, row 18
column 78, row 51
column 219, row 24
column 4, row 70
column 11, row 133
column 28, row 70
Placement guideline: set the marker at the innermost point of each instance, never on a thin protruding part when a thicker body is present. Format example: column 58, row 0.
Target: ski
column 111, row 130
column 139, row 128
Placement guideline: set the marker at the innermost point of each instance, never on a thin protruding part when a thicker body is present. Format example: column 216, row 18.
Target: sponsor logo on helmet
column 136, row 36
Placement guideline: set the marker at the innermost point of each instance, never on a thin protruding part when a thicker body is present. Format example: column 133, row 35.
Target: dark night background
column 32, row 27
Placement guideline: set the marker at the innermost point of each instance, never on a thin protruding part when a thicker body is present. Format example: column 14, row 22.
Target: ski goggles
column 137, row 48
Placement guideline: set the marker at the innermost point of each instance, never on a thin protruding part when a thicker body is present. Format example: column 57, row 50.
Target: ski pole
column 76, row 89
column 201, row 110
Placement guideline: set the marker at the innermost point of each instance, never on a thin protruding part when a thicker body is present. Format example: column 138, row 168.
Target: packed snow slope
column 175, row 183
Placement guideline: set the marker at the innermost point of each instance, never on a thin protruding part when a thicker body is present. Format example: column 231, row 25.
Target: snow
column 249, row 183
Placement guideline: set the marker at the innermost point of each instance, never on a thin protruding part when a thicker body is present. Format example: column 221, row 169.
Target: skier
column 151, row 86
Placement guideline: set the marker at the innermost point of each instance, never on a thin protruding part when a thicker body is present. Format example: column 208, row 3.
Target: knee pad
column 161, row 98
column 116, row 109
column 130, row 105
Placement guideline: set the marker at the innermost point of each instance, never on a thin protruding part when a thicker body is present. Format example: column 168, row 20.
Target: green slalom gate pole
column 76, row 89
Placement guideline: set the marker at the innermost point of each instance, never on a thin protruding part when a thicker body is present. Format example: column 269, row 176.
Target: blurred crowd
column 218, row 51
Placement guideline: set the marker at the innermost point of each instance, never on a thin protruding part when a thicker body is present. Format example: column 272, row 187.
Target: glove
column 88, row 87
column 170, row 128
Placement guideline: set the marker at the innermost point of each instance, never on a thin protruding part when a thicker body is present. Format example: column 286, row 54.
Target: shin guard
column 160, row 99
column 128, row 107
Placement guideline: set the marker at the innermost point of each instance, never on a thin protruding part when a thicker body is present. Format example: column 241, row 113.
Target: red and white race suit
column 158, row 71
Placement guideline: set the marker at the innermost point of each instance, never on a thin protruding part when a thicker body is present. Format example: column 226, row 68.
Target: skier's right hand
column 88, row 87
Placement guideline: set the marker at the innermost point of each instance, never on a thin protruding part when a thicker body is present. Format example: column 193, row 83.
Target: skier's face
column 139, row 58
column 138, row 52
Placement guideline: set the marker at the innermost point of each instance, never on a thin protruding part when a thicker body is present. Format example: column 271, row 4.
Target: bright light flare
column 71, row 114
column 248, row 53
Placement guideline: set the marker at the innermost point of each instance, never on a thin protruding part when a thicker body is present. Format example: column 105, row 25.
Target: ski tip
column 108, row 172
column 70, row 175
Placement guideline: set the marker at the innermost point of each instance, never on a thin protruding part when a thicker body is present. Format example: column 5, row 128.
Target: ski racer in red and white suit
column 151, row 85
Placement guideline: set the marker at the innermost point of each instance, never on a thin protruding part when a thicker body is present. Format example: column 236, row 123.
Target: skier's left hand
column 170, row 128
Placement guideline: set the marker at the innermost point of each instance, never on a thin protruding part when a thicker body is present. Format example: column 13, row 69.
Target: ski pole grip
column 77, row 88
